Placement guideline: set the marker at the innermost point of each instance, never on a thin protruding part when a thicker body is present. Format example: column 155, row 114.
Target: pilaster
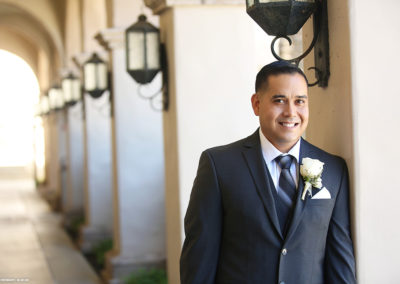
column 138, row 167
column 214, row 53
column 97, row 165
column 74, row 202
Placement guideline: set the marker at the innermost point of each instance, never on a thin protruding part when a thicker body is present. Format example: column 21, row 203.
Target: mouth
column 289, row 124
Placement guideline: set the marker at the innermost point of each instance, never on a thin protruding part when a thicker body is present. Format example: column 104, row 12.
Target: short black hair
column 276, row 68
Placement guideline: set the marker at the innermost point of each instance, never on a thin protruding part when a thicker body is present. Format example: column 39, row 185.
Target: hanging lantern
column 56, row 100
column 280, row 17
column 44, row 105
column 71, row 87
column 142, row 51
column 96, row 76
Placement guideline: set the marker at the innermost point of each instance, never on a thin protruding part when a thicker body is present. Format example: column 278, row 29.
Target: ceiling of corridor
column 33, row 30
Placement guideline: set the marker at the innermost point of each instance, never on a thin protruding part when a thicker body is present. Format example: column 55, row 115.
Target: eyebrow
column 278, row 96
column 283, row 96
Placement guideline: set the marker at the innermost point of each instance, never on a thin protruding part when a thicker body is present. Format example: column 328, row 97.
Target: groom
column 250, row 220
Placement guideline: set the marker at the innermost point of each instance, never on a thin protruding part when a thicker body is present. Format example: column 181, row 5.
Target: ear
column 255, row 103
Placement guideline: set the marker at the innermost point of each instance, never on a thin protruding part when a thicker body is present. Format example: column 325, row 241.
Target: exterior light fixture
column 71, row 87
column 44, row 105
column 96, row 76
column 56, row 99
column 145, row 56
column 281, row 18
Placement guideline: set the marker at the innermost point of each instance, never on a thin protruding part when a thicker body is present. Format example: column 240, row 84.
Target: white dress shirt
column 269, row 153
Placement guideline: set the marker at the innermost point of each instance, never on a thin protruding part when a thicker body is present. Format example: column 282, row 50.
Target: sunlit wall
column 19, row 92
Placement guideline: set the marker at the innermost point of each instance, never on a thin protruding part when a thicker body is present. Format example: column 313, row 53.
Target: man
column 250, row 219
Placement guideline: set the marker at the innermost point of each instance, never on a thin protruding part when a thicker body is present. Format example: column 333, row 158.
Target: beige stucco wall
column 21, row 46
column 43, row 12
column 376, row 97
column 73, row 31
column 214, row 53
column 94, row 19
column 355, row 117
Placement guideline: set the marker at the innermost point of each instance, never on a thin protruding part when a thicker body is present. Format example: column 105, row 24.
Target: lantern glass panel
column 153, row 52
column 90, row 76
column 44, row 104
column 52, row 99
column 136, row 51
column 59, row 98
column 67, row 89
column 76, row 90
column 268, row 1
column 101, row 74
column 250, row 3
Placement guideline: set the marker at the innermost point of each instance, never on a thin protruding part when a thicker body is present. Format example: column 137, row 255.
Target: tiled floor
column 33, row 246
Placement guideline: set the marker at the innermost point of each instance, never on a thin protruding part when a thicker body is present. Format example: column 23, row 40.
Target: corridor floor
column 33, row 246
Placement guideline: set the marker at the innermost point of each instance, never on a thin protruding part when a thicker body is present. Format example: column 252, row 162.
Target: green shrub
column 153, row 276
column 99, row 252
column 73, row 225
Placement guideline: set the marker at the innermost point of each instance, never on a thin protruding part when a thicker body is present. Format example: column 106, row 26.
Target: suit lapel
column 305, row 151
column 256, row 164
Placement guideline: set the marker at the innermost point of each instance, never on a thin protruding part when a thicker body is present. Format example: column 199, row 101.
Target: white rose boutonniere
column 311, row 170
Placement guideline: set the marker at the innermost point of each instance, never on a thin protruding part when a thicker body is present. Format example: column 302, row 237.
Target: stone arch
column 32, row 32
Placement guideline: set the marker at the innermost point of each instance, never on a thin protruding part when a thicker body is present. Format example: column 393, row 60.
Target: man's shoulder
column 318, row 153
column 234, row 146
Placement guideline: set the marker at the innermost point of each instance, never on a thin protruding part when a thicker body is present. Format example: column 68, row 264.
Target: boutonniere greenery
column 311, row 171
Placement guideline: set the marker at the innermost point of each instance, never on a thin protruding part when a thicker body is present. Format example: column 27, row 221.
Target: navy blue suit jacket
column 232, row 229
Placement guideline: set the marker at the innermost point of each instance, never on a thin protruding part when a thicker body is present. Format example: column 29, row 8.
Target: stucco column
column 61, row 126
column 356, row 117
column 214, row 53
column 49, row 188
column 52, row 188
column 97, row 167
column 138, row 163
column 75, row 168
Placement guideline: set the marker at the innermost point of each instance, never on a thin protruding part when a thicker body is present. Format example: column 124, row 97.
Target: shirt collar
column 270, row 152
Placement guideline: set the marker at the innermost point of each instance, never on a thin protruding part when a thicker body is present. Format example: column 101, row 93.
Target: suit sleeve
column 203, row 226
column 339, row 255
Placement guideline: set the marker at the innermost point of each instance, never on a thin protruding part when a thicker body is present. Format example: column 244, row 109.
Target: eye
column 300, row 101
column 279, row 101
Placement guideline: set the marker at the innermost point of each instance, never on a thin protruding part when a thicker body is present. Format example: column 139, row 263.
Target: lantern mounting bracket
column 263, row 14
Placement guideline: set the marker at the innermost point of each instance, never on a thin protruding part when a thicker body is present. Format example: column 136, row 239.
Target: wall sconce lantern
column 96, row 76
column 44, row 105
column 281, row 18
column 71, row 87
column 145, row 56
column 56, row 98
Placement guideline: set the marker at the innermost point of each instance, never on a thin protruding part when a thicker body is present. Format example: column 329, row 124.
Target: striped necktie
column 286, row 192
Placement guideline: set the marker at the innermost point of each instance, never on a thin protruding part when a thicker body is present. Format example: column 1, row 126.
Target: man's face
column 282, row 109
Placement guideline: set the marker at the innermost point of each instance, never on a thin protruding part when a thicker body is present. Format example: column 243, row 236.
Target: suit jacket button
column 284, row 252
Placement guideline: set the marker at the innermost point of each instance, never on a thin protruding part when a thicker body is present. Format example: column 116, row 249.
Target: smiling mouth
column 289, row 124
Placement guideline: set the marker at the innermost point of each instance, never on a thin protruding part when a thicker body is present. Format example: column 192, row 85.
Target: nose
column 290, row 110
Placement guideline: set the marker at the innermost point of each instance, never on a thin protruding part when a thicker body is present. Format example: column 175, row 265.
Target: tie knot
column 284, row 161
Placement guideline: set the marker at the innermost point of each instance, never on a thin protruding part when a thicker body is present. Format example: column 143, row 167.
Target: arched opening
column 19, row 129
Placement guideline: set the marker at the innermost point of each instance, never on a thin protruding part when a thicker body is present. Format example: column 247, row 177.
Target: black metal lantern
column 281, row 18
column 71, row 87
column 145, row 57
column 56, row 100
column 142, row 51
column 96, row 76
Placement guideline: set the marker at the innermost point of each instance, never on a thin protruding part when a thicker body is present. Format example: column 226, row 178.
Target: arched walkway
column 33, row 246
